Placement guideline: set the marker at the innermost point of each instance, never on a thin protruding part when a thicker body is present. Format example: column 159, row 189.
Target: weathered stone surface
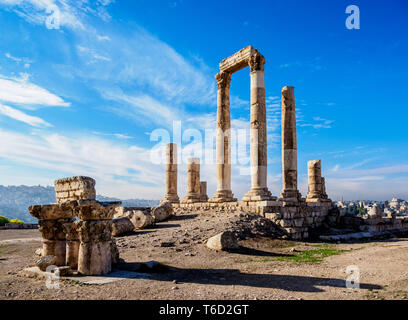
column 53, row 229
column 71, row 230
column 95, row 231
column 38, row 252
column 74, row 188
column 162, row 212
column 289, row 146
column 121, row 226
column 203, row 191
column 141, row 219
column 45, row 262
column 315, row 180
column 95, row 210
column 223, row 139
column 95, row 258
column 222, row 241
column 51, row 211
column 72, row 252
column 171, row 173
column 55, row 248
column 114, row 252
column 193, row 180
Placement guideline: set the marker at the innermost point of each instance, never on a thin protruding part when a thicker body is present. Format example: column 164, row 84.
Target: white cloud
column 121, row 170
column 20, row 91
column 23, row 117
column 103, row 38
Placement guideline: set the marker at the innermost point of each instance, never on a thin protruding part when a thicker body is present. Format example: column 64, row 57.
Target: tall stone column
column 259, row 190
column 193, row 180
column 223, row 139
column 171, row 173
column 203, row 191
column 289, row 146
column 314, row 169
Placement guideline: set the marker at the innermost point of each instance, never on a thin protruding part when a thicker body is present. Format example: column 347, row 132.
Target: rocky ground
column 263, row 268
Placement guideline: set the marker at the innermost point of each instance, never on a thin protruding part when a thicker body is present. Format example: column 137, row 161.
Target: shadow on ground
column 233, row 277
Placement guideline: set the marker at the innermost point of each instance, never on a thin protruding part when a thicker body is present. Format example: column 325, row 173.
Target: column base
column 223, row 196
column 172, row 198
column 290, row 196
column 191, row 198
column 203, row 198
column 258, row 194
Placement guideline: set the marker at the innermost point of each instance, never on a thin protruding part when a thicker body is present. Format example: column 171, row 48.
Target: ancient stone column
column 171, row 173
column 203, row 191
column 223, row 139
column 95, row 236
column 289, row 146
column 315, row 180
column 259, row 159
column 72, row 246
column 51, row 218
column 193, row 180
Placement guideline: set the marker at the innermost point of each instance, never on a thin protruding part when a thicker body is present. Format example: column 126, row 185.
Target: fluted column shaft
column 289, row 145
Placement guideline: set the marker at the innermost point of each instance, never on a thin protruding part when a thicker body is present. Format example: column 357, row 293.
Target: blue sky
column 84, row 99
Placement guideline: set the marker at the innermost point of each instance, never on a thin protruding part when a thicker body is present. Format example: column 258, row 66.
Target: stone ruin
column 77, row 230
column 296, row 215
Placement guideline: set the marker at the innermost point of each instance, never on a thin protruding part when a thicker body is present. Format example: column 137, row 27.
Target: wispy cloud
column 21, row 91
column 23, row 117
column 319, row 123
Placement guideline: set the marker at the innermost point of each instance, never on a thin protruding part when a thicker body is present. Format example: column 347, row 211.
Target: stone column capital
column 256, row 62
column 223, row 79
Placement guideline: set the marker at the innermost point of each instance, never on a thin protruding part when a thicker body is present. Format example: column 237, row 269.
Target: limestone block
column 114, row 252
column 53, row 229
column 72, row 251
column 45, row 262
column 55, row 248
column 74, row 188
column 51, row 211
column 222, row 241
column 95, row 230
column 95, row 258
column 95, row 210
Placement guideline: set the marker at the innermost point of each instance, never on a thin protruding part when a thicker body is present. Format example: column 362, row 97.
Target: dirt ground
column 263, row 268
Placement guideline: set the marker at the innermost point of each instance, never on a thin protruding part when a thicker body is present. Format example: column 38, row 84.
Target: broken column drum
column 314, row 180
column 193, row 180
column 203, row 191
